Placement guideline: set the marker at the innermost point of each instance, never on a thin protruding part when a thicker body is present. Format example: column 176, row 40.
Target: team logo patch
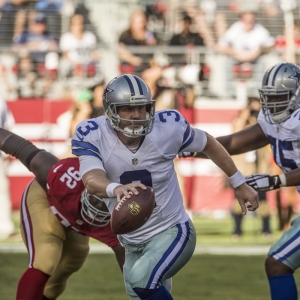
column 79, row 222
column 133, row 208
column 295, row 76
column 135, row 161
column 106, row 92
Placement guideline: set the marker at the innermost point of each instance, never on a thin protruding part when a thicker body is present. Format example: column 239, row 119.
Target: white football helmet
column 279, row 95
column 131, row 90
column 94, row 210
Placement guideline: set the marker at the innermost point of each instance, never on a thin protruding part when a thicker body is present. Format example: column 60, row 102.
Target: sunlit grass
column 215, row 229
column 210, row 277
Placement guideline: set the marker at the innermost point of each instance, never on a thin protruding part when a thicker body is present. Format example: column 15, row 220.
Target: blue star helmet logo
column 106, row 92
column 296, row 76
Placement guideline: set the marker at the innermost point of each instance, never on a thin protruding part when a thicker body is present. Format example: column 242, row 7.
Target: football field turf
column 206, row 276
column 210, row 277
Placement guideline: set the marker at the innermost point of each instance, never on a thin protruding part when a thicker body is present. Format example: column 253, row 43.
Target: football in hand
column 129, row 214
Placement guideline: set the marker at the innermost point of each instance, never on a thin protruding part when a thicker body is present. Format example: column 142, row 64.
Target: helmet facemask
column 277, row 106
column 279, row 95
column 131, row 131
column 94, row 210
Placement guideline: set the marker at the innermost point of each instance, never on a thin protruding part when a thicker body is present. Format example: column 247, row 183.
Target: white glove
column 187, row 154
column 265, row 182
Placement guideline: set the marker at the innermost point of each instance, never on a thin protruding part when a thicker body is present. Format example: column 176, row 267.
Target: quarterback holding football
column 133, row 147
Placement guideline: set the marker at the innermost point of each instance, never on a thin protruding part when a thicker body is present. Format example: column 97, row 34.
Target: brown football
column 129, row 214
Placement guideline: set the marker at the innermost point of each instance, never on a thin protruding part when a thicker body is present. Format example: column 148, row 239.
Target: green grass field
column 210, row 277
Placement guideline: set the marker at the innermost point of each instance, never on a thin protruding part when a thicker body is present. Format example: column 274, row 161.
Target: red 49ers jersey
column 64, row 189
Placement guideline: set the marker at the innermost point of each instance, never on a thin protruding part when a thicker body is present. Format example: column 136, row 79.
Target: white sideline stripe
column 216, row 250
column 40, row 130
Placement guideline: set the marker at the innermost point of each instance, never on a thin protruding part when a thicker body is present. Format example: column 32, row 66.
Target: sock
column 283, row 287
column 31, row 285
column 158, row 294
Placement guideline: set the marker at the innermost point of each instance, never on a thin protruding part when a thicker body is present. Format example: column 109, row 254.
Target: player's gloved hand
column 264, row 182
column 183, row 154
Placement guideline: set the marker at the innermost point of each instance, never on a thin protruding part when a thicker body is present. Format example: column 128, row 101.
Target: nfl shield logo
column 133, row 208
column 79, row 222
column 135, row 161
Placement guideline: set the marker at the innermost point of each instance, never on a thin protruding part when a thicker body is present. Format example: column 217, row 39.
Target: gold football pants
column 53, row 249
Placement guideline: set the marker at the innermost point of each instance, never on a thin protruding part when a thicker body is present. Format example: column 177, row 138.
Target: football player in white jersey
column 132, row 146
column 278, row 124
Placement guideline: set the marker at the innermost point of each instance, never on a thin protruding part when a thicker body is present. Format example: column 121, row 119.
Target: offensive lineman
column 278, row 124
column 56, row 225
column 134, row 147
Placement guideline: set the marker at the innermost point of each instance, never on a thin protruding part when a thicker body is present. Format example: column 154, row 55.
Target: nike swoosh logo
column 55, row 170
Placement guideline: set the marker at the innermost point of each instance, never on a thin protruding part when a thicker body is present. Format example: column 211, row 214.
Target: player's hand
column 263, row 182
column 183, row 154
column 127, row 189
column 246, row 196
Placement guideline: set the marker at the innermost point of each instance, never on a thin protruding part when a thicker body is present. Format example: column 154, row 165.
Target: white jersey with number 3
column 285, row 141
column 97, row 145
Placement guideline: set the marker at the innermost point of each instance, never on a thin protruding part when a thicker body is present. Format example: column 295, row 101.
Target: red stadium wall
column 37, row 120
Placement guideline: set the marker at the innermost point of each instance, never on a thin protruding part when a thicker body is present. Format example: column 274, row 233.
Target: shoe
column 236, row 237
column 267, row 235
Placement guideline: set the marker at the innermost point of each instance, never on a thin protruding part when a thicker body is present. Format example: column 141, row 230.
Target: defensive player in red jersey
column 57, row 218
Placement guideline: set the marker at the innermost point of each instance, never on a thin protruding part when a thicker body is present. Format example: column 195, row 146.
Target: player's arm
column 36, row 160
column 216, row 152
column 251, row 138
column 98, row 184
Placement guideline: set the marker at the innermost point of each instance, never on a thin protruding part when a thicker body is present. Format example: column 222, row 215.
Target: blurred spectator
column 38, row 59
column 188, row 71
column 79, row 48
column 36, row 42
column 26, row 78
column 281, row 44
column 14, row 19
column 244, row 43
column 141, row 64
column 7, row 227
column 216, row 14
column 253, row 162
column 199, row 12
column 52, row 9
column 186, row 36
column 156, row 16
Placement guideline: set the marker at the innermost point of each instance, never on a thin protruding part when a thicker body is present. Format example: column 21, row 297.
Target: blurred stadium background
column 41, row 94
column 39, row 112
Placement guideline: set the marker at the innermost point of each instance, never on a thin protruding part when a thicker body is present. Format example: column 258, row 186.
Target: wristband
column 237, row 179
column 110, row 189
column 282, row 178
